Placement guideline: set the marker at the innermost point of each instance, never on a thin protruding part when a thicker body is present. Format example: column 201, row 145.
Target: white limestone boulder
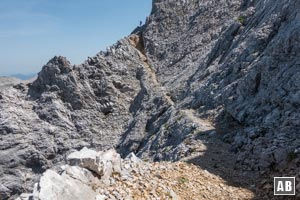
column 103, row 164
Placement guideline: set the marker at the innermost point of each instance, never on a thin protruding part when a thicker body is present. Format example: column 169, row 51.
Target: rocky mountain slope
column 197, row 76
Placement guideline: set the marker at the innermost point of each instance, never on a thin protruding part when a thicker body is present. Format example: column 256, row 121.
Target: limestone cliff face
column 234, row 63
column 196, row 70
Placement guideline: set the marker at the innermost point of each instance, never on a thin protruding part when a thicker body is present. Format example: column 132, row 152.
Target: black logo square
column 284, row 185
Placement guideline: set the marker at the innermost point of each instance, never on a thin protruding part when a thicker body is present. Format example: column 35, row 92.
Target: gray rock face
column 235, row 63
column 197, row 67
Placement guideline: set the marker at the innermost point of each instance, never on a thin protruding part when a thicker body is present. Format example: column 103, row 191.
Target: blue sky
column 33, row 31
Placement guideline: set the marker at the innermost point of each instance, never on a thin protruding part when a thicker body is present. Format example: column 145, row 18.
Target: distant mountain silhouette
column 24, row 76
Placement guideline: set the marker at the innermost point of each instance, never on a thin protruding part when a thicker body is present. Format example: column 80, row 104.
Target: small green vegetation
column 242, row 19
column 166, row 126
column 180, row 117
column 167, row 149
column 94, row 187
column 291, row 156
column 169, row 195
column 183, row 180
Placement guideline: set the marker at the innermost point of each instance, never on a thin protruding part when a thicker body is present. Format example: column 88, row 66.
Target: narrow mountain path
column 204, row 125
column 211, row 153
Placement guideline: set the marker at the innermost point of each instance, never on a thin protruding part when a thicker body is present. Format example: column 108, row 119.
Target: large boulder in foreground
column 63, row 187
column 87, row 170
column 102, row 163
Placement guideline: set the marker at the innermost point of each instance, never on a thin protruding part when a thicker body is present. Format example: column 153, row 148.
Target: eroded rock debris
column 95, row 175
column 214, row 83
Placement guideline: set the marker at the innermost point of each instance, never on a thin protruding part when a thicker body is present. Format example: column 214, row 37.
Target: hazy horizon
column 32, row 32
